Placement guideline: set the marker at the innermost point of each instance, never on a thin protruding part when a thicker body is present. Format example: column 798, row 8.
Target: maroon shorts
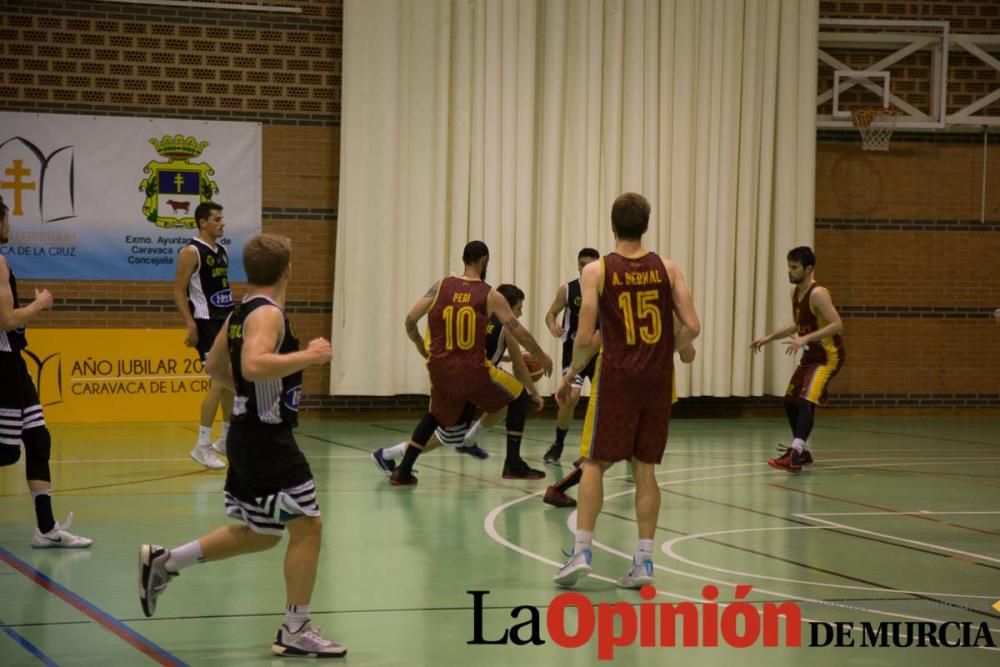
column 624, row 425
column 810, row 381
column 486, row 387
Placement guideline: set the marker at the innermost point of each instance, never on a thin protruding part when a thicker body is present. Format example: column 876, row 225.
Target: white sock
column 296, row 616
column 644, row 551
column 184, row 556
column 225, row 431
column 472, row 437
column 798, row 444
column 204, row 436
column 583, row 540
column 395, row 452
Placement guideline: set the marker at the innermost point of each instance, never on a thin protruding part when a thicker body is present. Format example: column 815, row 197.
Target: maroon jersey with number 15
column 636, row 308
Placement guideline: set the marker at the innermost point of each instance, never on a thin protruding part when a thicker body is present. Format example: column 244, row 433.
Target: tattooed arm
column 419, row 309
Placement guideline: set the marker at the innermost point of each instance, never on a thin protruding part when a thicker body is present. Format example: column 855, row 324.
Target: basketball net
column 875, row 124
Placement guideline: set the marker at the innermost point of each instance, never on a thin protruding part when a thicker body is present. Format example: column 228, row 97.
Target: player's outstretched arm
column 261, row 332
column 683, row 308
column 417, row 312
column 10, row 317
column 551, row 317
column 497, row 305
column 686, row 353
column 821, row 304
column 187, row 263
column 521, row 371
column 586, row 343
column 217, row 364
column 784, row 331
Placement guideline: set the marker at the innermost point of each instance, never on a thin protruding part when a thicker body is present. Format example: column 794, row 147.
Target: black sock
column 43, row 512
column 513, row 448
column 560, row 436
column 570, row 480
column 409, row 458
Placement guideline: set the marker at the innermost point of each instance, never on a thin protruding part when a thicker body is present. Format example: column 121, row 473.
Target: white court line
column 188, row 458
column 126, row 378
column 668, row 549
column 490, row 529
column 910, row 513
column 489, row 525
column 928, row 545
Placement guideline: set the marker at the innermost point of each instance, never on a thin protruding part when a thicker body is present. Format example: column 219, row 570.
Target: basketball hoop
column 875, row 124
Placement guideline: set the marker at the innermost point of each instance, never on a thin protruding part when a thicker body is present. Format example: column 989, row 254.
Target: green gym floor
column 898, row 521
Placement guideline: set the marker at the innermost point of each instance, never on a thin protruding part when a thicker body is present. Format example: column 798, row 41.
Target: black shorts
column 586, row 373
column 20, row 408
column 264, row 459
column 208, row 330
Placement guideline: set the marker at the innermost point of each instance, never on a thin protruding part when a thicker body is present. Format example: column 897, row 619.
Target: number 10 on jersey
column 459, row 327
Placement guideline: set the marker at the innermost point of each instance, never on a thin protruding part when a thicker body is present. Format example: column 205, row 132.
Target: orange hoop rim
column 863, row 116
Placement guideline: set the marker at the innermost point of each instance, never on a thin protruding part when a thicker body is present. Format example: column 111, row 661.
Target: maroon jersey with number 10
column 457, row 324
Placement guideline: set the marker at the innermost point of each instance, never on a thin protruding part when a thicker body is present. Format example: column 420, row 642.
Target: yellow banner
column 117, row 375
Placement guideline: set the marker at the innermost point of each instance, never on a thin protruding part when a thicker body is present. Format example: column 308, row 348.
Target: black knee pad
column 37, row 449
column 9, row 455
column 424, row 430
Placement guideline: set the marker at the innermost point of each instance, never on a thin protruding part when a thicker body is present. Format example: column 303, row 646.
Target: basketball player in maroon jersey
column 458, row 309
column 637, row 294
column 815, row 329
column 555, row 495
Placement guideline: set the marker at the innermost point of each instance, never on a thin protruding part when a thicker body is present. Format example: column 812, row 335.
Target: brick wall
column 282, row 70
column 899, row 235
column 965, row 16
column 969, row 78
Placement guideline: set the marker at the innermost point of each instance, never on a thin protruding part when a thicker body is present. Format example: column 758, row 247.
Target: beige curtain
column 519, row 121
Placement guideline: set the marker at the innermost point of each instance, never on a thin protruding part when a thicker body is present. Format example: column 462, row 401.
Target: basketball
column 534, row 367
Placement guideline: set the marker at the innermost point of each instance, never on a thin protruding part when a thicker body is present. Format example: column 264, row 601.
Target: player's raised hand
column 546, row 362
column 758, row 344
column 44, row 297
column 793, row 344
column 319, row 350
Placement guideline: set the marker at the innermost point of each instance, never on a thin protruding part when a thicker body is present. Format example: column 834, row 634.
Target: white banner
column 113, row 198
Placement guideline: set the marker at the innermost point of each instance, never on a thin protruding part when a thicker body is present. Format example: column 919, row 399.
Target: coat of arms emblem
column 174, row 188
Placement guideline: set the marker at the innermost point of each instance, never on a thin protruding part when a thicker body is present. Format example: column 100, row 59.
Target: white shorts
column 269, row 515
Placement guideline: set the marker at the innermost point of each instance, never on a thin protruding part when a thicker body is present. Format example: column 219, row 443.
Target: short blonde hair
column 265, row 257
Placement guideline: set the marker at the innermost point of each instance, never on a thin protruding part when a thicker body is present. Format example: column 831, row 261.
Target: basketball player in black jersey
column 21, row 418
column 204, row 299
column 269, row 485
column 567, row 302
